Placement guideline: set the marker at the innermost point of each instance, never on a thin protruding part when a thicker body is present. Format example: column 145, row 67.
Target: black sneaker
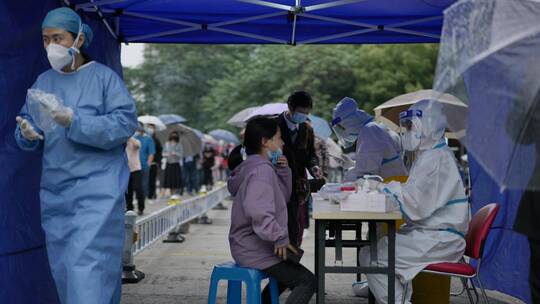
column 140, row 212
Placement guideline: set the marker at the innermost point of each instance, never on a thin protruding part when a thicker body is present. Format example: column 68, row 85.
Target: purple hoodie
column 259, row 212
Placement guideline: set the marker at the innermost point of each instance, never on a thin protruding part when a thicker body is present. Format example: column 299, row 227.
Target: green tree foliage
column 209, row 84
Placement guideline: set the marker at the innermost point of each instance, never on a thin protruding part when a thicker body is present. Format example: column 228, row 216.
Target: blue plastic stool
column 235, row 275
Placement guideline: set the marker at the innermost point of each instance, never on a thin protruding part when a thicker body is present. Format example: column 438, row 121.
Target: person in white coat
column 376, row 151
column 433, row 203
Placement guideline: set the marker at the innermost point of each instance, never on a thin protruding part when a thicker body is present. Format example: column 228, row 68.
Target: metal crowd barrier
column 151, row 228
column 154, row 226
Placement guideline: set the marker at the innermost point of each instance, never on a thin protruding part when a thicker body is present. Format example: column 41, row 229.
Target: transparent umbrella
column 488, row 58
column 268, row 109
column 239, row 119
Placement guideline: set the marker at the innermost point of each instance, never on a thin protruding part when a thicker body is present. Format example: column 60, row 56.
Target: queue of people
column 163, row 170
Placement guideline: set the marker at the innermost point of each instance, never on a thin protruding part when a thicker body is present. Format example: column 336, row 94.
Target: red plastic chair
column 479, row 228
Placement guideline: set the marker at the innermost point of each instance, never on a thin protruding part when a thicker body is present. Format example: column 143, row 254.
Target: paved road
column 179, row 273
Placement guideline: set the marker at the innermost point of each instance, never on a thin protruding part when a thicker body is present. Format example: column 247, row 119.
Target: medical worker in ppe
column 433, row 203
column 85, row 172
column 376, row 152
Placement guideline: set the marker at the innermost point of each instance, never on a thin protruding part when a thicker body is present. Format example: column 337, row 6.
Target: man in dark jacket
column 299, row 149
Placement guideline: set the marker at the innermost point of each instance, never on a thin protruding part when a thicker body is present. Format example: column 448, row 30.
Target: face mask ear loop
column 74, row 46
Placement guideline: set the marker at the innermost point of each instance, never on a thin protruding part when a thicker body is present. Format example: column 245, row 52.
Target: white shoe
column 361, row 289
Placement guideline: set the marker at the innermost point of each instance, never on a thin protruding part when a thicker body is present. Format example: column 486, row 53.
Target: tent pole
column 107, row 25
column 254, row 18
column 370, row 28
column 268, row 4
column 414, row 33
column 330, row 4
column 336, row 36
column 298, row 8
column 340, row 21
column 233, row 32
column 161, row 34
column 165, row 20
column 306, row 8
column 96, row 3
column 97, row 10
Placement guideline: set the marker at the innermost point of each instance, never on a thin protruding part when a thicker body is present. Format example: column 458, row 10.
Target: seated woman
column 258, row 237
column 432, row 201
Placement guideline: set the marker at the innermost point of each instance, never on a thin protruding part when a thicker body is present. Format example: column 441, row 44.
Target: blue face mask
column 273, row 156
column 299, row 118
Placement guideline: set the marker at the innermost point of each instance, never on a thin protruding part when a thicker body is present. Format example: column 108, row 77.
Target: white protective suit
column 376, row 152
column 433, row 203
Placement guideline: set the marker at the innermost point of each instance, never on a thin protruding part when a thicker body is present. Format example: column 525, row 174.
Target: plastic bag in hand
column 40, row 106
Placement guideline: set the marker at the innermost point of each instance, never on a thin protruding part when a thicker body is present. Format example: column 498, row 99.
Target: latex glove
column 63, row 116
column 27, row 130
column 317, row 172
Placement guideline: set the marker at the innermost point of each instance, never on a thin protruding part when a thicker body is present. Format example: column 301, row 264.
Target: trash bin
column 430, row 288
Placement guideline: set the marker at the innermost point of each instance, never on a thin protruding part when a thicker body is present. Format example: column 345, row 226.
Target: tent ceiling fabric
column 292, row 22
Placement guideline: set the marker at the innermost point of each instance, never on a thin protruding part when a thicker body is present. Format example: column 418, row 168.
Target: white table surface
column 327, row 210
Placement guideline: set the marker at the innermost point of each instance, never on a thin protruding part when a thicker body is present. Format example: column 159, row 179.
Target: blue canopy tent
column 286, row 22
column 277, row 22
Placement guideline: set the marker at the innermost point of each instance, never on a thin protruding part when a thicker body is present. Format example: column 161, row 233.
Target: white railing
column 156, row 225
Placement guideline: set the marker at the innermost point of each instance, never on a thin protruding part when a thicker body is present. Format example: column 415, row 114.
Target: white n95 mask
column 60, row 56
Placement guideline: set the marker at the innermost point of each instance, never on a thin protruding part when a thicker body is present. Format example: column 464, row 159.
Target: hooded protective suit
column 376, row 152
column 433, row 203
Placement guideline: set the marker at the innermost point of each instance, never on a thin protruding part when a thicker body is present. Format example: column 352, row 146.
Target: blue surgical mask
column 299, row 118
column 273, row 156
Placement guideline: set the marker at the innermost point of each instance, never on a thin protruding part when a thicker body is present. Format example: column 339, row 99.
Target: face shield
column 346, row 138
column 410, row 134
column 406, row 119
